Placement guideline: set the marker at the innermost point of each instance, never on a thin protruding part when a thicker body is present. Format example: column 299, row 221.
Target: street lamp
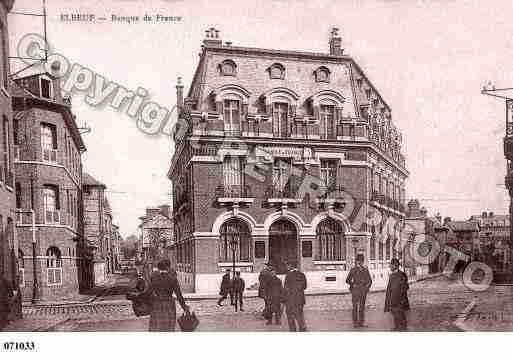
column 34, row 254
column 234, row 241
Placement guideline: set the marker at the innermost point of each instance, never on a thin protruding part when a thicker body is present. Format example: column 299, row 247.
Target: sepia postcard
column 255, row 166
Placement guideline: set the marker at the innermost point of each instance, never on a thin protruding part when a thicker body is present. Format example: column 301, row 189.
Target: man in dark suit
column 226, row 289
column 359, row 281
column 6, row 294
column 295, row 285
column 274, row 294
column 396, row 300
column 263, row 280
column 238, row 287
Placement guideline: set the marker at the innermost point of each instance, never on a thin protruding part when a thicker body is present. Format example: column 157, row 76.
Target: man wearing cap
column 295, row 285
column 238, row 287
column 359, row 281
column 396, row 300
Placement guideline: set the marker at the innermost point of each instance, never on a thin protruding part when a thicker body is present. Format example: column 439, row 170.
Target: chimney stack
column 179, row 93
column 165, row 209
column 447, row 220
column 212, row 37
column 152, row 212
column 484, row 215
column 336, row 43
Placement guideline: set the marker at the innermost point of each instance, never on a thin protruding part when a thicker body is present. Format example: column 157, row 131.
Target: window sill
column 237, row 264
column 329, row 262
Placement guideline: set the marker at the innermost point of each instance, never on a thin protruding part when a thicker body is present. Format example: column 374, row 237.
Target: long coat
column 294, row 288
column 359, row 280
column 163, row 315
column 263, row 280
column 274, row 293
column 397, row 292
column 226, row 285
column 238, row 285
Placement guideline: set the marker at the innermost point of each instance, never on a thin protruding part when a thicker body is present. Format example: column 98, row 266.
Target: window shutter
column 321, row 122
column 269, row 109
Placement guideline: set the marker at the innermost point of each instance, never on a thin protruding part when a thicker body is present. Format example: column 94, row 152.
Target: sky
column 428, row 60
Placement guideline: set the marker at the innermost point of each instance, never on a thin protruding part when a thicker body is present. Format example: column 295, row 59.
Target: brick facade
column 49, row 183
column 315, row 117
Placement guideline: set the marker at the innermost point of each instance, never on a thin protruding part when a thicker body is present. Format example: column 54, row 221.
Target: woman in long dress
column 162, row 286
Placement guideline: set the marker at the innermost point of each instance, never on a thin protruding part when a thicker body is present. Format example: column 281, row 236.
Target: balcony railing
column 49, row 155
column 275, row 191
column 233, row 191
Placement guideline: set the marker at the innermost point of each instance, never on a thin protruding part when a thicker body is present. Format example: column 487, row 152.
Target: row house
column 48, row 150
column 9, row 251
column 277, row 157
column 98, row 230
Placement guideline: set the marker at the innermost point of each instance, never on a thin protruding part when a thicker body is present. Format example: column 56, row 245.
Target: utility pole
column 491, row 90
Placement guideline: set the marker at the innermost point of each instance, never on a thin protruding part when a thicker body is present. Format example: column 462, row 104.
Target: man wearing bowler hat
column 359, row 281
column 295, row 285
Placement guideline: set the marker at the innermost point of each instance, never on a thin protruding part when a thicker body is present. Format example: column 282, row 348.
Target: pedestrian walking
column 396, row 300
column 226, row 289
column 163, row 285
column 274, row 294
column 263, row 280
column 238, row 287
column 294, row 288
column 359, row 281
column 6, row 295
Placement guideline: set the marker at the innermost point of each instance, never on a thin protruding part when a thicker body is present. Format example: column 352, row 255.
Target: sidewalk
column 33, row 325
column 88, row 297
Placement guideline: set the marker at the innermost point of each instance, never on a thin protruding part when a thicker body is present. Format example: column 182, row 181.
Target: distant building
column 421, row 229
column 494, row 238
column 156, row 237
column 97, row 229
column 464, row 237
column 48, row 164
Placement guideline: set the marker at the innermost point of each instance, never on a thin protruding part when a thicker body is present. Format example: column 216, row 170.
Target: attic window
column 277, row 71
column 46, row 88
column 228, row 68
column 322, row 74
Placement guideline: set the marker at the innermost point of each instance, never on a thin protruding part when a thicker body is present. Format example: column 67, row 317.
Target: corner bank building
column 268, row 141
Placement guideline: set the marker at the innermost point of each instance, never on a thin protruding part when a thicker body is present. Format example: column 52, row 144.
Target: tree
column 129, row 247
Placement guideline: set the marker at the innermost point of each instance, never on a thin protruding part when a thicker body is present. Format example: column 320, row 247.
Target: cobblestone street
column 435, row 305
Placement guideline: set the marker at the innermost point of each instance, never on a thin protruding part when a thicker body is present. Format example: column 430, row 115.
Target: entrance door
column 283, row 245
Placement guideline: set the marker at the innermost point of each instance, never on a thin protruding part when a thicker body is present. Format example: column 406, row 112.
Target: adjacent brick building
column 9, row 266
column 47, row 156
column 282, row 153
column 97, row 229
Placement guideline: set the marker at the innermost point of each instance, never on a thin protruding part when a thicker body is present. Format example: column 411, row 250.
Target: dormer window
column 322, row 74
column 228, row 68
column 277, row 71
column 46, row 88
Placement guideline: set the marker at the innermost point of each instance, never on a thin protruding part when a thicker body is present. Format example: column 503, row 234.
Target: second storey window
column 49, row 142
column 280, row 119
column 327, row 117
column 232, row 116
column 46, row 88
column 51, row 204
column 233, row 175
column 281, row 174
column 329, row 173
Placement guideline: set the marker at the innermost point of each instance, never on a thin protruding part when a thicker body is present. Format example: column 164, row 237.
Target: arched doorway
column 283, row 245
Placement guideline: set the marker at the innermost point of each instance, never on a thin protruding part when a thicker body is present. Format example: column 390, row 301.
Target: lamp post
column 234, row 241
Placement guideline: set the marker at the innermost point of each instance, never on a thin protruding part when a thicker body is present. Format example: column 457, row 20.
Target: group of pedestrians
column 233, row 287
column 396, row 298
column 290, row 294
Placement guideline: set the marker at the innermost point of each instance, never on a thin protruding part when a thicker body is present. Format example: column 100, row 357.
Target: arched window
column 54, row 266
column 53, row 259
column 228, row 68
column 234, row 234
column 277, row 71
column 322, row 74
column 331, row 240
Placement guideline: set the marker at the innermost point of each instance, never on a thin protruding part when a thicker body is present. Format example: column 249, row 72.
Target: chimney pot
column 335, row 43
